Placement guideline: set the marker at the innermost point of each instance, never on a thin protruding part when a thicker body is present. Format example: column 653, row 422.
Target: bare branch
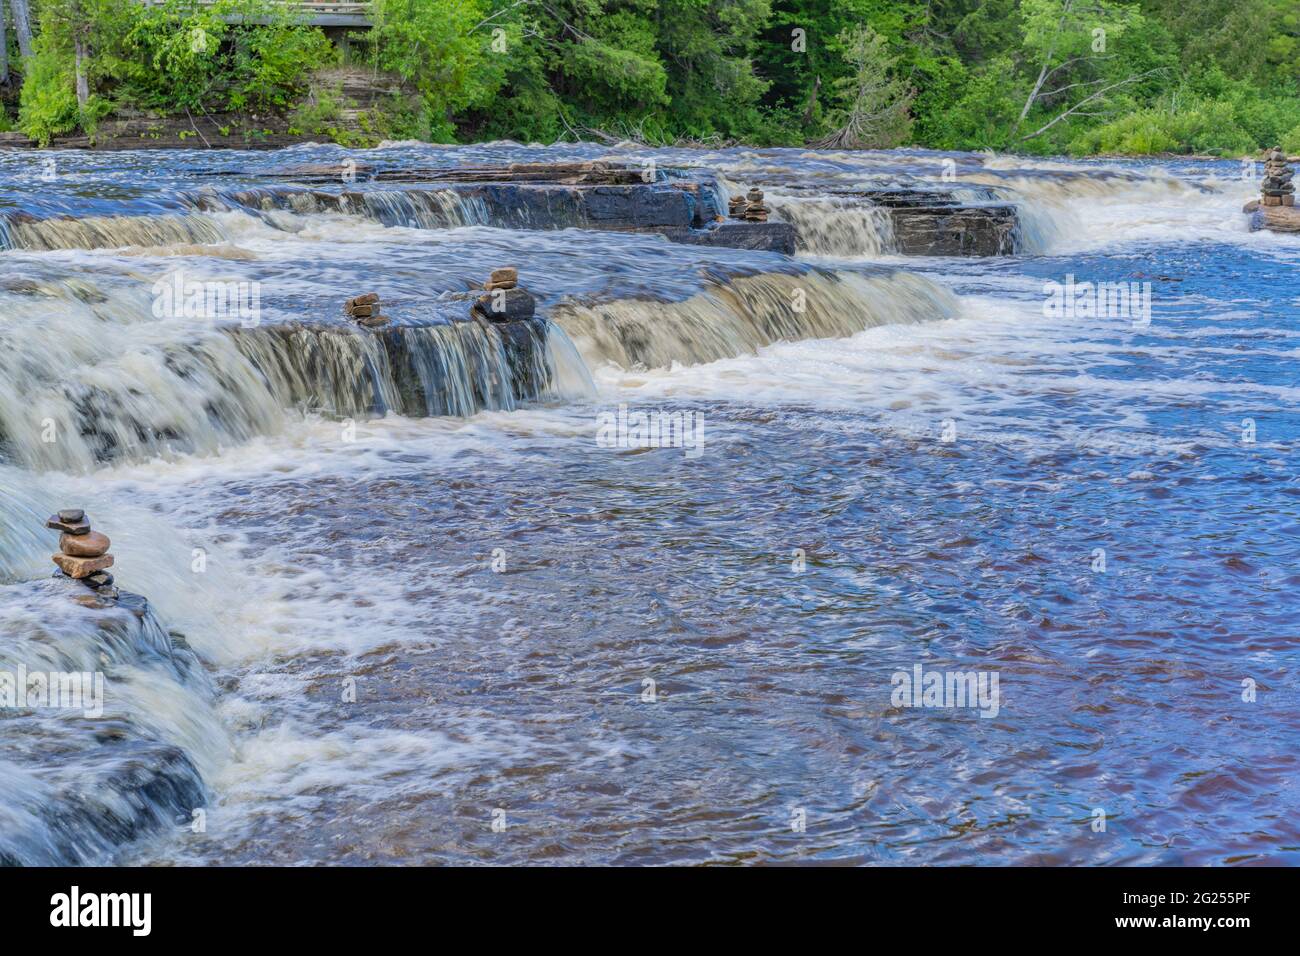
column 1088, row 99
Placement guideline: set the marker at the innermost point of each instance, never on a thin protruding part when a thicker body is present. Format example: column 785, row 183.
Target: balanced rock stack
column 83, row 553
column 736, row 207
column 505, row 301
column 755, row 211
column 1278, row 189
column 365, row 310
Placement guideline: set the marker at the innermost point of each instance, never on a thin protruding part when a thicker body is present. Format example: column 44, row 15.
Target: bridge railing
column 319, row 12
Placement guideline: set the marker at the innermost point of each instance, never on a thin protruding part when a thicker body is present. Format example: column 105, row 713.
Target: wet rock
column 738, row 234
column 506, row 278
column 92, row 544
column 80, row 527
column 955, row 231
column 100, row 579
column 81, row 567
column 72, row 515
column 1284, row 219
column 506, row 305
column 365, row 310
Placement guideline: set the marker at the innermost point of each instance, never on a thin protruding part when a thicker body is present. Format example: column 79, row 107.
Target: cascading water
column 92, row 375
column 286, row 561
column 128, row 709
column 742, row 315
column 837, row 227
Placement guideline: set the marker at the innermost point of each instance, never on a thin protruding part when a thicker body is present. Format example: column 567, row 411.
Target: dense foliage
column 1045, row 76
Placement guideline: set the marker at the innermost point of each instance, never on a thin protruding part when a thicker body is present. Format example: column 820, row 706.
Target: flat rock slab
column 54, row 522
column 1276, row 219
column 82, row 567
column 772, row 236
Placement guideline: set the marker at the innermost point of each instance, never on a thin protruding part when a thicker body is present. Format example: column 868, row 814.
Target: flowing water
column 443, row 623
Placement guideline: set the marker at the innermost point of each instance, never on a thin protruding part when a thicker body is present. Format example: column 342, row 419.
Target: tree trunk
column 83, row 86
column 1047, row 65
column 4, row 48
column 807, row 114
column 22, row 26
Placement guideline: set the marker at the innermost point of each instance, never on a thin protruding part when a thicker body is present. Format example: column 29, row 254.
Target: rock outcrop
column 679, row 204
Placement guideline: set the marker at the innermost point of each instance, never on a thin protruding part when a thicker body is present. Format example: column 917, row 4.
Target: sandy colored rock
column 89, row 545
column 506, row 274
column 1276, row 219
column 372, row 321
column 81, row 567
column 362, row 311
column 369, row 298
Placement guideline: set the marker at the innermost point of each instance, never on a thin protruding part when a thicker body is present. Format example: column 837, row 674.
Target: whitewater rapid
column 374, row 686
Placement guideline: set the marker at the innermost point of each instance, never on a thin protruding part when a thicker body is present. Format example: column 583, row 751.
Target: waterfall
column 108, row 232
column 837, row 227
column 744, row 314
column 133, row 724
column 91, row 375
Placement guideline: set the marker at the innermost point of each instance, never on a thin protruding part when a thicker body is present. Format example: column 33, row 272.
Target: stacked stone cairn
column 1278, row 188
column 83, row 553
column 755, row 210
column 505, row 301
column 364, row 310
column 736, row 207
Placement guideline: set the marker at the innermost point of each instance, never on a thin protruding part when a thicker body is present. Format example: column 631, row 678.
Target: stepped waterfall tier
column 593, row 504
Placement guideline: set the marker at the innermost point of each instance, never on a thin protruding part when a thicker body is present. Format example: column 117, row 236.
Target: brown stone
column 372, row 321
column 507, row 274
column 1250, row 206
column 82, row 567
column 361, row 311
column 370, row 298
column 1272, row 200
column 89, row 545
column 491, row 286
column 1288, row 200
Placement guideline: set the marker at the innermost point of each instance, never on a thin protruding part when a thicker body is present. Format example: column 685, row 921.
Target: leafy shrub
column 48, row 106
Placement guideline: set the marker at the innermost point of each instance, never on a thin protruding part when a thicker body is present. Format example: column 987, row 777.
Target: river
column 483, row 636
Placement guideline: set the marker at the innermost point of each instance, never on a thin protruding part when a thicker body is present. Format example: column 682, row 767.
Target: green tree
column 873, row 103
